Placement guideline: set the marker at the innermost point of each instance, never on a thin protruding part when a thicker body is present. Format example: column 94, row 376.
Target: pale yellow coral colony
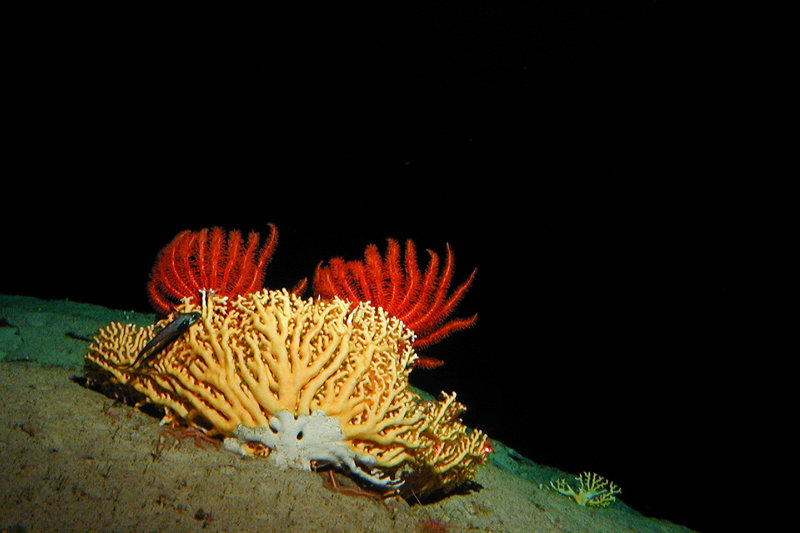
column 593, row 490
column 254, row 365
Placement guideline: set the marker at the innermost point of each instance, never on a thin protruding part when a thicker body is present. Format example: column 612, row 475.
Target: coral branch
column 593, row 490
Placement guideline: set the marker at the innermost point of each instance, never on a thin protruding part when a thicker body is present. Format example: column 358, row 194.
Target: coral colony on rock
column 304, row 382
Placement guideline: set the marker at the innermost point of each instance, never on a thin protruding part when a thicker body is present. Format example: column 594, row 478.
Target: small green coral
column 593, row 490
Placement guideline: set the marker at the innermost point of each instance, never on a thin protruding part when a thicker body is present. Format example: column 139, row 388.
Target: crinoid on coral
column 301, row 381
column 209, row 259
column 399, row 287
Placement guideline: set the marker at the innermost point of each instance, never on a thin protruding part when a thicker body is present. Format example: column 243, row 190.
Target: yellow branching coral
column 593, row 490
column 300, row 381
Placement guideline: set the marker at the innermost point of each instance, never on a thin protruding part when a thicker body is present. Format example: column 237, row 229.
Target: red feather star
column 401, row 289
column 209, row 259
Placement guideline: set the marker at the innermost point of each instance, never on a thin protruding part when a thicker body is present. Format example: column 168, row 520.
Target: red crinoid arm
column 183, row 266
column 300, row 287
column 440, row 333
column 170, row 277
column 250, row 268
column 322, row 283
column 436, row 331
column 265, row 256
column 357, row 281
column 208, row 259
column 211, row 257
column 427, row 363
column 420, row 301
column 195, row 263
column 375, row 276
column 416, row 318
column 349, row 283
column 436, row 312
column 232, row 251
column 397, row 280
column 441, row 307
column 332, row 280
column 411, row 284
